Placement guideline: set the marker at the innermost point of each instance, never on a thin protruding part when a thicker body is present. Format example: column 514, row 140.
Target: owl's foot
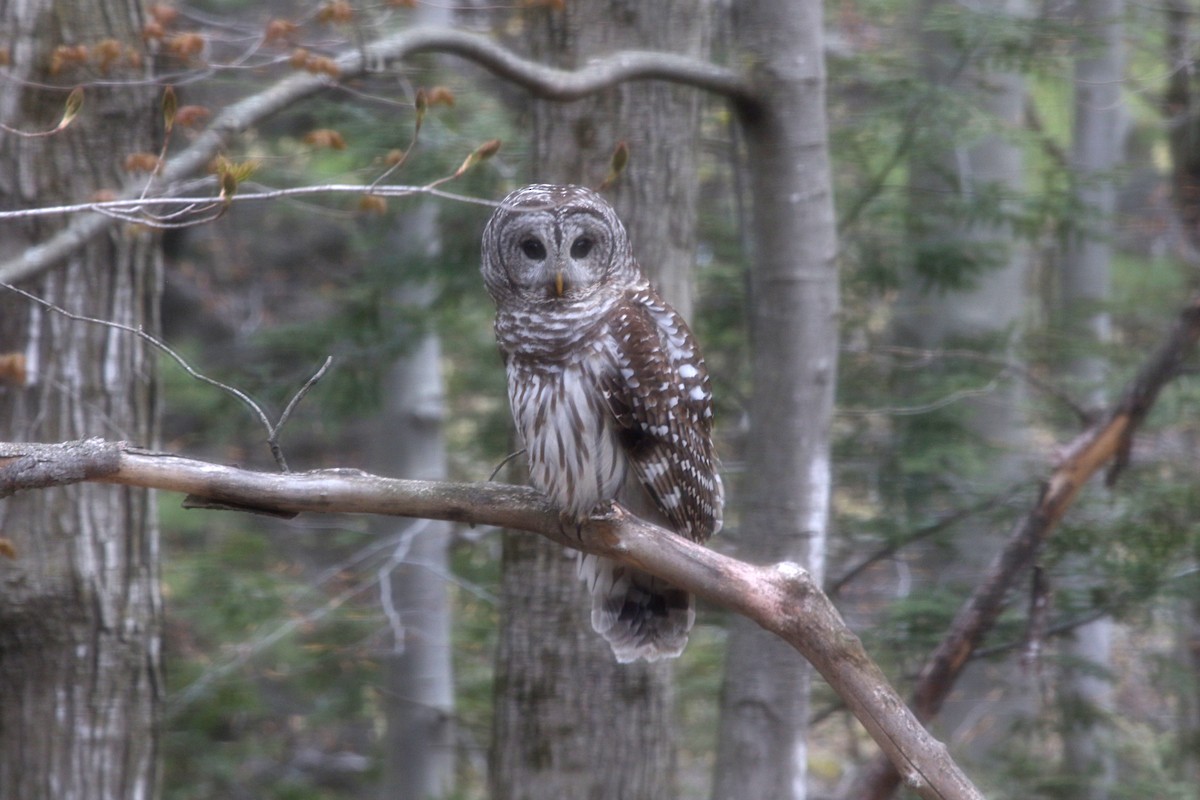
column 608, row 510
column 571, row 526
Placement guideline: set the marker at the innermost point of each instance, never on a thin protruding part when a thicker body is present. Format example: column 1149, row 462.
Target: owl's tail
column 640, row 615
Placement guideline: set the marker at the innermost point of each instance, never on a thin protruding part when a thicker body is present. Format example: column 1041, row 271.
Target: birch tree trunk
column 409, row 442
column 570, row 721
column 762, row 749
column 80, row 611
column 420, row 750
column 1096, row 151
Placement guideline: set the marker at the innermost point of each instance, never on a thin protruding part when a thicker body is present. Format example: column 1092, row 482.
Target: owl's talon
column 568, row 524
column 606, row 510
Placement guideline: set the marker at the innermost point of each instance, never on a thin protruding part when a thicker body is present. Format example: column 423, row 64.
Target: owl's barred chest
column 574, row 454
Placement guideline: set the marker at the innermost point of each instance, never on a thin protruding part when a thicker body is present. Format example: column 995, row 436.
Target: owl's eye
column 534, row 249
column 581, row 247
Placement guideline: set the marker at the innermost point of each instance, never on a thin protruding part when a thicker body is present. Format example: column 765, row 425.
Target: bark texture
column 794, row 340
column 79, row 605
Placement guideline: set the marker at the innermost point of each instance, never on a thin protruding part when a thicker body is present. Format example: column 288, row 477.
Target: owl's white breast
column 572, row 448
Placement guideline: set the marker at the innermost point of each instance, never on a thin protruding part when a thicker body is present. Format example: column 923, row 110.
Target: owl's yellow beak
column 558, row 283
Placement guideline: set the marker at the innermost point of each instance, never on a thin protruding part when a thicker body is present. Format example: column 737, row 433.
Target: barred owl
column 609, row 394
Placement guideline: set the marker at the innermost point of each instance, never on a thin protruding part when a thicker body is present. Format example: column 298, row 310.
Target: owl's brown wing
column 659, row 395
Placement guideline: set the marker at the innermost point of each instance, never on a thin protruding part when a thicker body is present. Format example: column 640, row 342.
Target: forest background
column 1016, row 221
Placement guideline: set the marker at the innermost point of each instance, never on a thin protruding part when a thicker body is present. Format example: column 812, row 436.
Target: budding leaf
column 230, row 174
column 620, row 160
column 12, row 369
column 372, row 203
column 170, row 105
column 481, row 153
column 325, row 137
column 422, row 104
column 229, row 186
column 74, row 103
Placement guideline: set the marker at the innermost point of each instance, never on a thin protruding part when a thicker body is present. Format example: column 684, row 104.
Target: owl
column 609, row 394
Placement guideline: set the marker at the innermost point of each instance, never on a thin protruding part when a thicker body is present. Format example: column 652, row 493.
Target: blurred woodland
column 1015, row 195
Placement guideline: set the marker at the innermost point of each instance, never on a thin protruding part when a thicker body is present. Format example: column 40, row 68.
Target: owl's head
column 549, row 244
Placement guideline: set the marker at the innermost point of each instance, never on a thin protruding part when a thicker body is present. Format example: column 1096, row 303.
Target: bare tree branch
column 540, row 80
column 549, row 83
column 137, row 210
column 781, row 598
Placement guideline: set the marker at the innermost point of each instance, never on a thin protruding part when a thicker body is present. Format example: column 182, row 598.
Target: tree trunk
column 80, row 611
column 571, row 721
column 794, row 339
column 1085, row 288
column 409, row 443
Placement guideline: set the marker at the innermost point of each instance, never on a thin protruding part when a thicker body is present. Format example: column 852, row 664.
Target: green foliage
column 921, row 482
column 916, row 474
column 235, row 722
column 270, row 654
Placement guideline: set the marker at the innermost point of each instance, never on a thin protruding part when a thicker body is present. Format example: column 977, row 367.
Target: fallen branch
column 1107, row 442
column 782, row 598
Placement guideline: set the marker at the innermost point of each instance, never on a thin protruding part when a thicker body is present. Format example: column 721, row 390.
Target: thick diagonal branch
column 781, row 598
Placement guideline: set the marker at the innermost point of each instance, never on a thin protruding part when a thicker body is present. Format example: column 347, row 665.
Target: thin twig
column 153, row 342
column 273, row 439
column 249, row 402
column 200, row 204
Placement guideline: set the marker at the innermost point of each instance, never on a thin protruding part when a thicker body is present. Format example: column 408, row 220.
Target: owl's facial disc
column 562, row 259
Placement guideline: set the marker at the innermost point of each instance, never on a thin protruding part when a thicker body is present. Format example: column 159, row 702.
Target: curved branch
column 542, row 81
column 782, row 598
column 549, row 83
